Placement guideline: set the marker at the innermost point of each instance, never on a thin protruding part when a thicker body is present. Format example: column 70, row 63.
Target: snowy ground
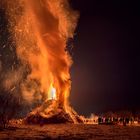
column 72, row 131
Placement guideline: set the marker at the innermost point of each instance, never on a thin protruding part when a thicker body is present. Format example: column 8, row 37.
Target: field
column 71, row 132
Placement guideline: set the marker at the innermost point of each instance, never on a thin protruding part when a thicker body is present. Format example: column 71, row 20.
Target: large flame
column 41, row 29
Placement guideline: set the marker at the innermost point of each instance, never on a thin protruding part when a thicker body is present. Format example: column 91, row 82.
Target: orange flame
column 41, row 32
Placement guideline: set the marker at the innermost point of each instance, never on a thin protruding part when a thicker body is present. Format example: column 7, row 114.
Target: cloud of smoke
column 12, row 78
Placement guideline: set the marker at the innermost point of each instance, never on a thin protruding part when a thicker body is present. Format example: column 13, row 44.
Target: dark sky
column 106, row 69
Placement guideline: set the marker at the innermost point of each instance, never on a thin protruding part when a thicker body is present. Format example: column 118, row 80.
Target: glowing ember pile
column 52, row 112
column 41, row 29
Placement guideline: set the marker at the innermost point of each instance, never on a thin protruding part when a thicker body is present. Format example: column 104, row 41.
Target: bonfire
column 41, row 29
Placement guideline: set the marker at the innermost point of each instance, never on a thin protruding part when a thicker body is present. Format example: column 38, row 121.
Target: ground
column 71, row 132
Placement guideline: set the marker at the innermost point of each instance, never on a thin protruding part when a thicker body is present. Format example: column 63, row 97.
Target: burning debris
column 52, row 112
column 41, row 29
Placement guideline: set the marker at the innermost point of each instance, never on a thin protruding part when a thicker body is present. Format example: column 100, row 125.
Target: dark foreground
column 71, row 132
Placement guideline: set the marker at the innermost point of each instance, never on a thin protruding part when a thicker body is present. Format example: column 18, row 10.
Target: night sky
column 106, row 69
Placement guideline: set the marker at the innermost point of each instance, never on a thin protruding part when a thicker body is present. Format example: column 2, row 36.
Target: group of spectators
column 118, row 120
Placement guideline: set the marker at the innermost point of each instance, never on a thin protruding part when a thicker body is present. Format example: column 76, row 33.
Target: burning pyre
column 41, row 29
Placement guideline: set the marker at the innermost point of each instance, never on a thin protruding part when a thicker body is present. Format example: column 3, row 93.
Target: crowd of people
column 118, row 120
column 123, row 118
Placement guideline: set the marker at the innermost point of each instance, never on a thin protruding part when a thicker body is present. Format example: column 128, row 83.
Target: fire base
column 52, row 112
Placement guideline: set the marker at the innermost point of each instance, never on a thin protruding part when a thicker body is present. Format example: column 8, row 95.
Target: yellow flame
column 52, row 93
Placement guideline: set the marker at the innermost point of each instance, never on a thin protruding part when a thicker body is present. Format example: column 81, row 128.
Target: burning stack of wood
column 52, row 112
